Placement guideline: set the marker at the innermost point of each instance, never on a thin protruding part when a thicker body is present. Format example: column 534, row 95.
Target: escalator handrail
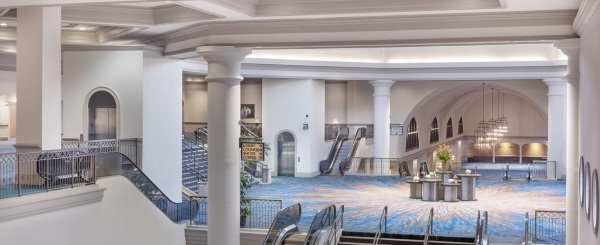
column 325, row 217
column 280, row 218
column 148, row 181
column 337, row 144
column 338, row 223
column 360, row 133
column 526, row 238
column 381, row 226
column 429, row 230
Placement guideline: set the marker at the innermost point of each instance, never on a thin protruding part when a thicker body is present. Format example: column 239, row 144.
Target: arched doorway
column 102, row 116
column 286, row 154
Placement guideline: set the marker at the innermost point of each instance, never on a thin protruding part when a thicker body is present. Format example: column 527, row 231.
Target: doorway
column 286, row 154
column 102, row 116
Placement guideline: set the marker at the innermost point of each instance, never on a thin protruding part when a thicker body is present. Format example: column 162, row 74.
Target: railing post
column 250, row 216
column 46, row 177
column 19, row 176
column 72, row 168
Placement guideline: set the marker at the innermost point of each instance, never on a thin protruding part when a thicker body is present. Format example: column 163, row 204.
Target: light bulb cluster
column 490, row 132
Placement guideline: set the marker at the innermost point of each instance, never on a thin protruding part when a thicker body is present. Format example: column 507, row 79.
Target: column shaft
column 39, row 77
column 381, row 127
column 223, row 161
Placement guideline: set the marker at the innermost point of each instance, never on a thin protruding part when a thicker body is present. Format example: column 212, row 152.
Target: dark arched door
column 286, row 154
column 102, row 123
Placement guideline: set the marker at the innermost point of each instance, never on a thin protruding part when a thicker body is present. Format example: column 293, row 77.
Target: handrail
column 325, row 217
column 382, row 225
column 477, row 228
column 195, row 172
column 284, row 224
column 344, row 164
column 338, row 222
column 481, row 230
column 342, row 134
column 526, row 238
column 429, row 230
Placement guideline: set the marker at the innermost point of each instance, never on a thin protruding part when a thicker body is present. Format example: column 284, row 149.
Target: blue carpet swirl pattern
column 365, row 196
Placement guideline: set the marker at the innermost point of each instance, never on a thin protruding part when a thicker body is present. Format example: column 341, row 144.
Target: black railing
column 262, row 212
column 284, row 224
column 326, row 166
column 370, row 165
column 325, row 217
column 331, row 130
column 550, row 227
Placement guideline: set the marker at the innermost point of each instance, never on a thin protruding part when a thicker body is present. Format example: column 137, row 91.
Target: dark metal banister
column 360, row 133
column 325, row 217
column 381, row 226
column 429, row 230
column 195, row 172
column 341, row 136
column 285, row 218
column 338, row 223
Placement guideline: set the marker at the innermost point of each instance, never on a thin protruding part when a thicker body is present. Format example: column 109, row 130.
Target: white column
column 557, row 123
column 570, row 47
column 223, row 161
column 381, row 127
column 39, row 77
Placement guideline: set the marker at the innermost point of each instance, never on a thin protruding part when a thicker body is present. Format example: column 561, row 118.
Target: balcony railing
column 331, row 130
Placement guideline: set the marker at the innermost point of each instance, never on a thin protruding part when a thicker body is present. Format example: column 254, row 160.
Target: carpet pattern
column 365, row 196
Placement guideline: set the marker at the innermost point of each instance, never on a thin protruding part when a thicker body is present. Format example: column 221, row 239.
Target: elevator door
column 102, row 116
column 286, row 154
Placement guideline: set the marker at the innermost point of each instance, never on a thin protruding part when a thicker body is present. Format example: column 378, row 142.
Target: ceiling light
column 81, row 28
column 3, row 24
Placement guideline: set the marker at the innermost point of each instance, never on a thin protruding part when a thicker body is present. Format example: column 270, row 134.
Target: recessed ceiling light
column 3, row 24
column 81, row 28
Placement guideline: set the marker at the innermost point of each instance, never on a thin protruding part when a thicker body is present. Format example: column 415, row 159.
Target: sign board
column 253, row 151
column 396, row 129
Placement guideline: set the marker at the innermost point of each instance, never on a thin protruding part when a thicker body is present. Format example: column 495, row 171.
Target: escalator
column 114, row 163
column 342, row 148
column 284, row 225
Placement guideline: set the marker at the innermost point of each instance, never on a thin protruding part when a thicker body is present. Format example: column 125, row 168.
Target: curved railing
column 284, row 225
column 429, row 229
column 382, row 226
column 326, row 165
column 114, row 163
column 325, row 217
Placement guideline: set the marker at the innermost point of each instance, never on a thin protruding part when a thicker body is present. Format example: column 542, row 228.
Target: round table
column 446, row 175
column 450, row 192
column 416, row 189
column 430, row 189
column 468, row 186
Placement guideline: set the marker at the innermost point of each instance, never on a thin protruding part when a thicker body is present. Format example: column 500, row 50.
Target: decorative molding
column 292, row 8
column 36, row 204
column 584, row 16
column 247, row 7
column 110, row 33
column 78, row 37
column 174, row 13
column 109, row 15
column 67, row 48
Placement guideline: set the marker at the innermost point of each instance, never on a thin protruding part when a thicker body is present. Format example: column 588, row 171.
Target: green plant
column 444, row 153
column 244, row 185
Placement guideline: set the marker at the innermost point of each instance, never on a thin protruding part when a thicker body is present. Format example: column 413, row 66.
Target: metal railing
column 338, row 224
column 325, row 217
column 481, row 230
column 544, row 169
column 429, row 229
column 251, row 129
column 526, row 238
column 369, row 165
column 128, row 147
column 550, row 227
column 284, row 224
column 331, row 130
column 381, row 227
column 326, row 166
column 43, row 171
column 262, row 212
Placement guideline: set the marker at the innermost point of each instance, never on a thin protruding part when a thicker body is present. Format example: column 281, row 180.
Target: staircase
column 194, row 164
column 342, row 154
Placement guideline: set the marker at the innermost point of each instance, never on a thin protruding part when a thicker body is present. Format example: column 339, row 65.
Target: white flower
column 416, row 178
column 451, row 181
column 468, row 171
column 427, row 176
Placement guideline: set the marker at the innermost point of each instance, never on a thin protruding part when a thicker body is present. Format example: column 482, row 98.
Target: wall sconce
column 335, row 121
column 305, row 125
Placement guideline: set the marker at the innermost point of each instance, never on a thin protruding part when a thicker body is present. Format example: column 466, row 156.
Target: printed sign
column 253, row 151
column 396, row 129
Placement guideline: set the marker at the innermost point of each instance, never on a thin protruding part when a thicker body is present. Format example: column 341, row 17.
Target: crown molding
column 295, row 8
column 247, row 7
column 174, row 13
column 109, row 15
column 69, row 48
column 78, row 37
column 585, row 15
column 111, row 33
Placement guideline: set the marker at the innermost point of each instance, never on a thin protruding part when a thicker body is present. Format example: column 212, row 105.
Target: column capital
column 382, row 83
column 224, row 63
column 556, row 86
column 571, row 48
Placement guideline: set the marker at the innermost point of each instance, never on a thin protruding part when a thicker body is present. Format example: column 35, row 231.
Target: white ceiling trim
column 27, row 3
column 584, row 16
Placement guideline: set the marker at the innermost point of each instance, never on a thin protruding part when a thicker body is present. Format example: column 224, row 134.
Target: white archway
column 86, row 112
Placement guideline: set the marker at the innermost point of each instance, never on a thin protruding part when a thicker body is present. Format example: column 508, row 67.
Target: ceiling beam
column 31, row 3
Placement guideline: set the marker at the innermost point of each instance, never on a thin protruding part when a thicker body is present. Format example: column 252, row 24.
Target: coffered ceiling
column 180, row 26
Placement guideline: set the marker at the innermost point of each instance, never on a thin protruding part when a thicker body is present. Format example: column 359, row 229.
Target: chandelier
column 489, row 132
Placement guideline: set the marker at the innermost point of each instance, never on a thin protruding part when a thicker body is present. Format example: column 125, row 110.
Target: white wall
column 119, row 71
column 336, row 105
column 251, row 93
column 589, row 113
column 124, row 216
column 162, row 95
column 195, row 99
column 8, row 82
column 360, row 102
column 286, row 102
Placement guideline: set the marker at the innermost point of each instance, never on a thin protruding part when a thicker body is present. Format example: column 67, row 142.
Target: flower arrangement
column 444, row 153
column 416, row 178
column 468, row 171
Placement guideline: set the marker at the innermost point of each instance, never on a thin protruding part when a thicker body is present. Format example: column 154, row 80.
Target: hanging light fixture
column 503, row 121
column 482, row 131
column 492, row 125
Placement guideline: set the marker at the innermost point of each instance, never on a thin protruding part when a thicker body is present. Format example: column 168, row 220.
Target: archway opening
column 286, row 154
column 102, row 115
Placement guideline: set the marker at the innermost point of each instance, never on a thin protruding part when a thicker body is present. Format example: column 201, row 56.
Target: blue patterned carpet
column 365, row 196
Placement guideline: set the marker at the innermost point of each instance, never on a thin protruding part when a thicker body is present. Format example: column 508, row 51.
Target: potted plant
column 244, row 203
column 444, row 153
